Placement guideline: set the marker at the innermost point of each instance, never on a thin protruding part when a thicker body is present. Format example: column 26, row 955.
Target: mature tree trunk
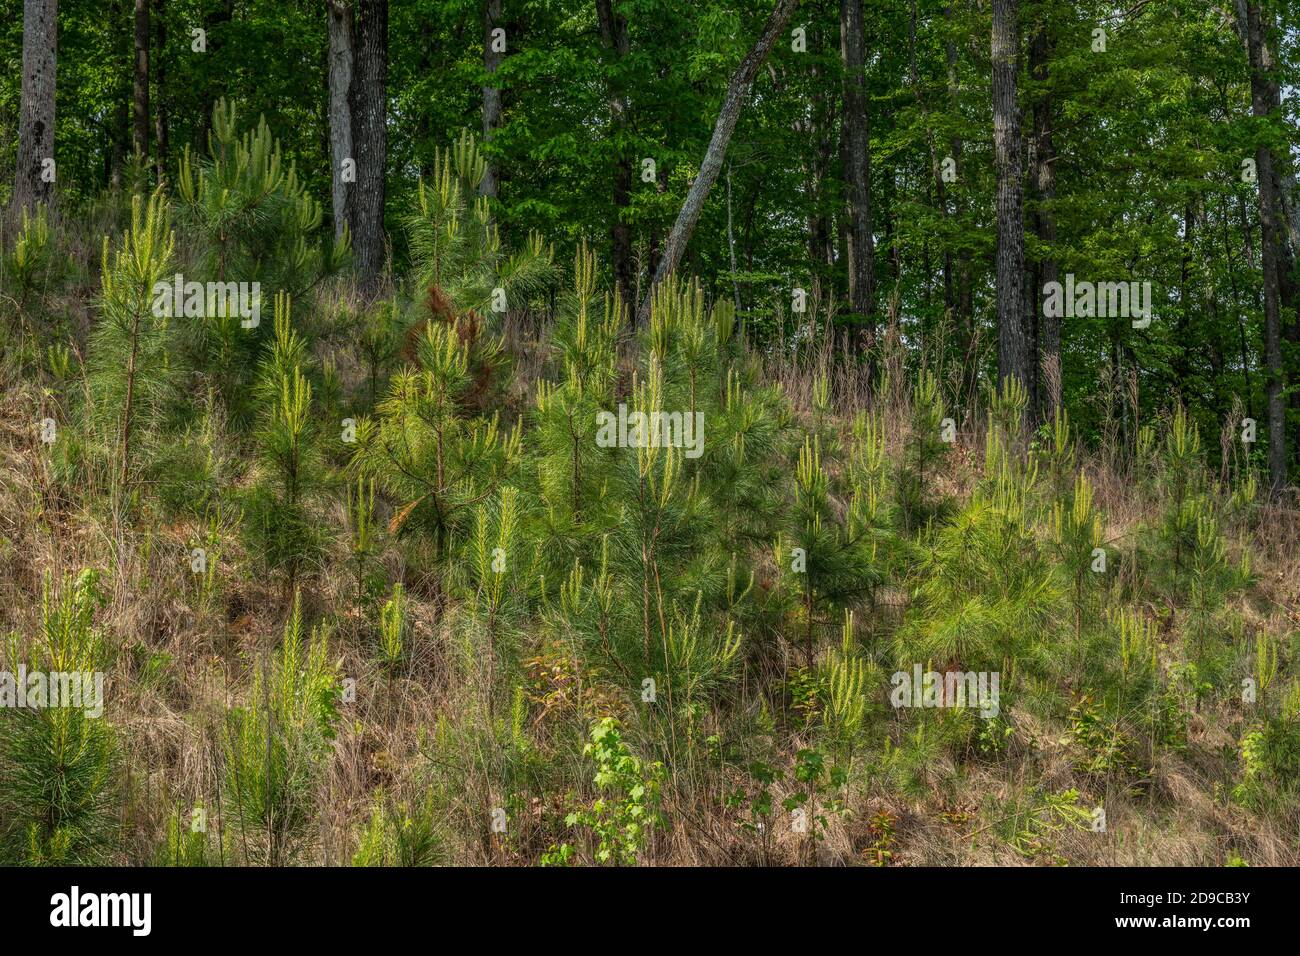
column 1015, row 345
column 160, row 132
column 1043, row 177
column 340, row 84
column 491, row 94
column 36, row 116
column 121, row 133
column 965, row 285
column 1279, row 292
column 737, row 91
column 140, row 99
column 857, row 173
column 369, row 103
column 614, row 36
column 818, row 132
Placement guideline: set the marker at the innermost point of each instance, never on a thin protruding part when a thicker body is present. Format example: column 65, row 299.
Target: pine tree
column 251, row 221
column 277, row 743
column 279, row 520
column 59, row 762
column 131, row 372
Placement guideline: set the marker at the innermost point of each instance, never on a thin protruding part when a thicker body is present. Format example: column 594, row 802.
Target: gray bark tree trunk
column 160, row 133
column 340, row 85
column 36, row 112
column 737, row 92
column 1015, row 347
column 857, row 172
column 140, row 93
column 965, row 286
column 369, row 104
column 1044, row 217
column 1279, row 294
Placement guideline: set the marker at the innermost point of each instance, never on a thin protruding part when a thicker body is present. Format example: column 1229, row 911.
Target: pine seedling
column 277, row 744
column 396, row 835
column 392, row 631
column 435, row 462
column 253, row 215
column 455, row 246
column 278, row 519
column 379, row 343
column 253, row 222
column 183, row 846
column 363, row 540
column 1076, row 533
column 923, row 451
column 131, row 372
column 1058, row 453
column 34, row 261
column 571, row 468
column 833, row 564
column 1137, row 651
column 58, row 762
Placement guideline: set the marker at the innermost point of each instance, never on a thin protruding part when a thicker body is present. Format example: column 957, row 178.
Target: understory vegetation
column 367, row 588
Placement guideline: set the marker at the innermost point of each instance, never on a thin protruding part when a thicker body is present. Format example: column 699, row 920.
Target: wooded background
column 1100, row 139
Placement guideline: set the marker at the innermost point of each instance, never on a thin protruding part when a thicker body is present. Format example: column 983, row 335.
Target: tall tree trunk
column 491, row 93
column 140, row 99
column 160, row 132
column 36, row 113
column 614, row 36
column 340, row 85
column 369, row 103
column 965, row 285
column 1044, row 217
column 818, row 130
column 737, row 92
column 857, row 173
column 1279, row 294
column 1015, row 348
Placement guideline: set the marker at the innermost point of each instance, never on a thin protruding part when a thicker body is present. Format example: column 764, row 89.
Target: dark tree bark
column 1279, row 291
column 160, row 132
column 491, row 94
column 1043, row 177
column 857, row 172
column 819, row 135
column 1015, row 345
column 36, row 112
column 340, row 84
column 614, row 37
column 140, row 98
column 369, row 104
column 737, row 92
